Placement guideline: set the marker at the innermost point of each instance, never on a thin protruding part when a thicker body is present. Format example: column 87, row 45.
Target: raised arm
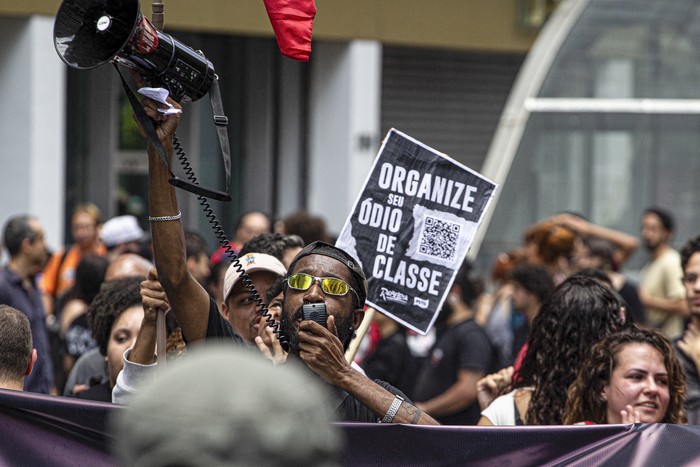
column 153, row 299
column 189, row 301
column 139, row 362
column 625, row 244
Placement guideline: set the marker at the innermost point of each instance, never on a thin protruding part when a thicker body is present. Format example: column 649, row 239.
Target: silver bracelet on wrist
column 391, row 413
column 165, row 218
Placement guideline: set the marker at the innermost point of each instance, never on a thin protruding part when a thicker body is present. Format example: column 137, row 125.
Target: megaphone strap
column 150, row 130
column 221, row 123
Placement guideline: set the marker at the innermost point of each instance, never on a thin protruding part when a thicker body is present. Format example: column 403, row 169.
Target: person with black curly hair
column 115, row 316
column 631, row 376
column 281, row 246
column 580, row 312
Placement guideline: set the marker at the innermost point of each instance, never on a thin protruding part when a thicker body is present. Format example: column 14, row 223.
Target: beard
column 343, row 325
column 653, row 244
column 650, row 245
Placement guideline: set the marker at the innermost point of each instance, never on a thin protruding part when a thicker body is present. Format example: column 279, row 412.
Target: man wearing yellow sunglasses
column 319, row 274
column 324, row 274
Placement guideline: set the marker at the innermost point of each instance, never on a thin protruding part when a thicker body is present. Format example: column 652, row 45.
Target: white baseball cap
column 121, row 229
column 252, row 262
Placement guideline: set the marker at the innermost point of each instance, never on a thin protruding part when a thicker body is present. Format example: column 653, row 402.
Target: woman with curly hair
column 632, row 376
column 115, row 316
column 580, row 312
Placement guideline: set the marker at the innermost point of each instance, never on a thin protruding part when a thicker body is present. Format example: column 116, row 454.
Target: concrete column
column 345, row 125
column 32, row 134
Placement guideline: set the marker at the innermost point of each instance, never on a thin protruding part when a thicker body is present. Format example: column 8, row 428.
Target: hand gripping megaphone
column 91, row 33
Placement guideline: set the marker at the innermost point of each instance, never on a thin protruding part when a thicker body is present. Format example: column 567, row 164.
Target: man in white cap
column 121, row 234
column 239, row 307
column 194, row 309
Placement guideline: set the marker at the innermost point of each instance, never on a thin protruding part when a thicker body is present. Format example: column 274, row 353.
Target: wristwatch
column 391, row 413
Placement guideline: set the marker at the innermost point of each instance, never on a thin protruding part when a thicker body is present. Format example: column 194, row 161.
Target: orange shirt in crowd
column 55, row 282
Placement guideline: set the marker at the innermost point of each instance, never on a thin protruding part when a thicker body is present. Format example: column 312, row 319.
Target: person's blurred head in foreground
column 222, row 406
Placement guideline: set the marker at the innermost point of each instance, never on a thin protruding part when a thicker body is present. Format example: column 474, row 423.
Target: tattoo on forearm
column 412, row 410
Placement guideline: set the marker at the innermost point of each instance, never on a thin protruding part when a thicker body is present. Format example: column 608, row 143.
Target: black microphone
column 315, row 312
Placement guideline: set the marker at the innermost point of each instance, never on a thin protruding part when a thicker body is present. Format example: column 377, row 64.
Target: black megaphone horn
column 90, row 33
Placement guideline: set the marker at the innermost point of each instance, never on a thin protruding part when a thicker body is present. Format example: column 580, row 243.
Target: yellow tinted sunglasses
column 329, row 285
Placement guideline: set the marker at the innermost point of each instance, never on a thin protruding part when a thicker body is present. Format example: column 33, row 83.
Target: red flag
column 292, row 21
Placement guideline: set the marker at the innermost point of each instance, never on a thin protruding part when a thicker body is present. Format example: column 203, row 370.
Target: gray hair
column 221, row 406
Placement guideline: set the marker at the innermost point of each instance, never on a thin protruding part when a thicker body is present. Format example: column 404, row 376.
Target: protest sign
column 412, row 226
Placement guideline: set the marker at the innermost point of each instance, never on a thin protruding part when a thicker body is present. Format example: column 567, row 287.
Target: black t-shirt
column 79, row 337
column 464, row 346
column 391, row 361
column 218, row 327
column 349, row 409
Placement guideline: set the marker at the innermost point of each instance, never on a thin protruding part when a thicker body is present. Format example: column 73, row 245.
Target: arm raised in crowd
column 189, row 300
column 139, row 362
column 153, row 298
column 625, row 244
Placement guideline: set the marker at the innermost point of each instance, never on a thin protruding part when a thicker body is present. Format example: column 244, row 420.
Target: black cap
column 325, row 249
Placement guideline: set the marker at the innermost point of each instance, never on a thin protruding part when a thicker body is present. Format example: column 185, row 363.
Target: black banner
column 412, row 226
column 40, row 430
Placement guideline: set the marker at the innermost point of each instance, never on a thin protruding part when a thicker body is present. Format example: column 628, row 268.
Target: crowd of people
column 556, row 335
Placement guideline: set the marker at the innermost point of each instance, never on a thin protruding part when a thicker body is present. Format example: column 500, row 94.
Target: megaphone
column 90, row 33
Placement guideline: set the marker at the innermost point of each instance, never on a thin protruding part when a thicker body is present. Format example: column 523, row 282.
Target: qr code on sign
column 439, row 238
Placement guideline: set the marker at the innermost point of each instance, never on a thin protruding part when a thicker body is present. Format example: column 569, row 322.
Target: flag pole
column 359, row 335
column 158, row 21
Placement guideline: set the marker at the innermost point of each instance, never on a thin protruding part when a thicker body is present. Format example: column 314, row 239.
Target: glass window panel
column 608, row 167
column 619, row 49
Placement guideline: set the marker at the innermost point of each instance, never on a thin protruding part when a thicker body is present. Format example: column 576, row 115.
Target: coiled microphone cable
column 223, row 240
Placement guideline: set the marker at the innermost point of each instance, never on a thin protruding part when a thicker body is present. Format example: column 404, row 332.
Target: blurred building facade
column 303, row 135
column 602, row 119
